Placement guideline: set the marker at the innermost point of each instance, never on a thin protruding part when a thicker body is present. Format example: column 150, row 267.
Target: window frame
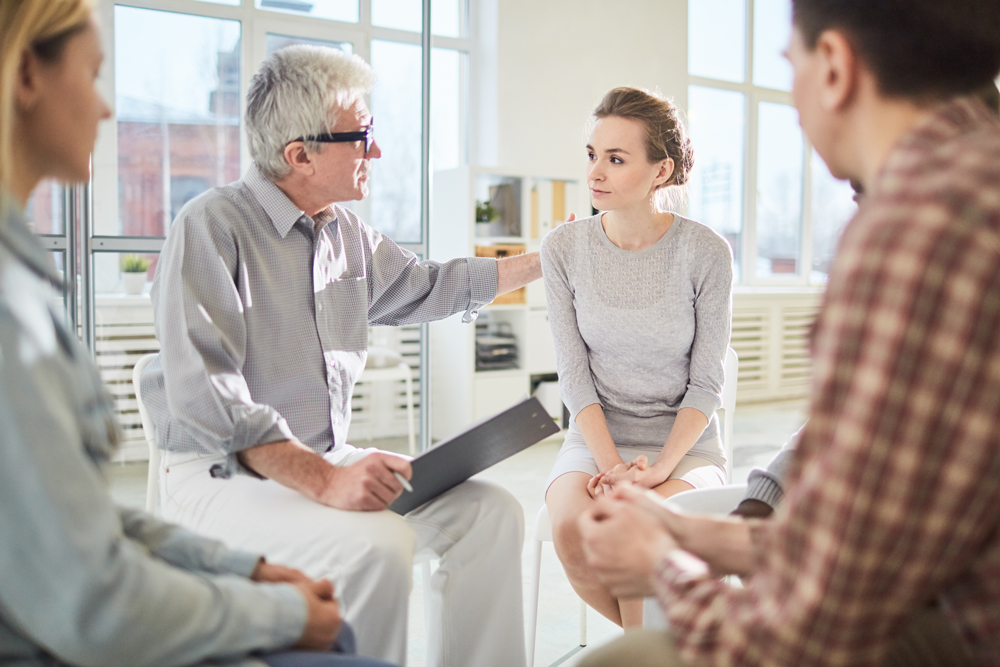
column 753, row 95
column 99, row 200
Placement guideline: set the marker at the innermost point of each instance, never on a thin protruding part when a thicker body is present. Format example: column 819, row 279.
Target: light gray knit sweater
column 642, row 333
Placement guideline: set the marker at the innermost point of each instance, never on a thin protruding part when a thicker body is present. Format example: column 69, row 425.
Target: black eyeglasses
column 367, row 135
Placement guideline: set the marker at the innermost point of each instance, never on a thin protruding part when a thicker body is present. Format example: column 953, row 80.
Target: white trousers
column 476, row 530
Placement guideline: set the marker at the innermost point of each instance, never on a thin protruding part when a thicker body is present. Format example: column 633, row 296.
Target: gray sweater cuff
column 704, row 401
column 763, row 488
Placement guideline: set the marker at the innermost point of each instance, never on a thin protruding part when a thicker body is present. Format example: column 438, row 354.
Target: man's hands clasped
column 621, row 517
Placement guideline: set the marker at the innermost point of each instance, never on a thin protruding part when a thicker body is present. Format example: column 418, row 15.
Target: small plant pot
column 134, row 283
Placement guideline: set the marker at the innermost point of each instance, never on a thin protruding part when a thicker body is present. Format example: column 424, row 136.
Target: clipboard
column 477, row 448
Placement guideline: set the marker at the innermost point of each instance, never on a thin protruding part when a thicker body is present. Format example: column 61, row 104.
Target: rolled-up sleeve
column 404, row 290
column 184, row 549
column 199, row 315
column 713, row 314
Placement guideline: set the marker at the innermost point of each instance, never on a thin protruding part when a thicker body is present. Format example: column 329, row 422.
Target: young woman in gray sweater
column 639, row 301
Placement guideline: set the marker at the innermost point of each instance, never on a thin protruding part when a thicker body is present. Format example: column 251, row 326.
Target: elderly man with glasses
column 263, row 296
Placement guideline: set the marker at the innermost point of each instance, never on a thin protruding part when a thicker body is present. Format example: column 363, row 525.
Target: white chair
column 400, row 371
column 149, row 432
column 543, row 526
column 721, row 500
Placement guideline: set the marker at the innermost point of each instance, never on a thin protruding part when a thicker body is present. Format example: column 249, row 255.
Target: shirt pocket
column 342, row 314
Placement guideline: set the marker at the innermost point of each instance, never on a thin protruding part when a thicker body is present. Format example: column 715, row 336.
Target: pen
column 402, row 480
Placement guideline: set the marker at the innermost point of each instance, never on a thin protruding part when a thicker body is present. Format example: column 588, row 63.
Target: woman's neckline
column 670, row 231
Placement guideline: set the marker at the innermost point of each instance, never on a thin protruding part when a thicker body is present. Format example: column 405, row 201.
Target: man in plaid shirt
column 886, row 550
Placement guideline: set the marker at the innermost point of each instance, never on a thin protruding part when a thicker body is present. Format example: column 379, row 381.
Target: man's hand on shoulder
column 368, row 485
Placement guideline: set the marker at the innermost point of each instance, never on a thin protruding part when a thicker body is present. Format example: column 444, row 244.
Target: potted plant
column 133, row 268
column 486, row 214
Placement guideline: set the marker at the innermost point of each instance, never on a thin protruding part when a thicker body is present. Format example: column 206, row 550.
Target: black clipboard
column 477, row 448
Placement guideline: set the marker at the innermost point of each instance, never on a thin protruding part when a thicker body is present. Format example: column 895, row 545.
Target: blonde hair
column 42, row 26
column 666, row 136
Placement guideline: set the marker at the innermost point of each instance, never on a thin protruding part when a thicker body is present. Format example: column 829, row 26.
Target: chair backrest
column 715, row 500
column 149, row 432
column 728, row 409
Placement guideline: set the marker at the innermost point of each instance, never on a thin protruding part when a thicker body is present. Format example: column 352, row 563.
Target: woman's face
column 59, row 108
column 618, row 173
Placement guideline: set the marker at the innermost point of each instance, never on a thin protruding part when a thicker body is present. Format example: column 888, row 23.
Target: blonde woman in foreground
column 639, row 301
column 85, row 582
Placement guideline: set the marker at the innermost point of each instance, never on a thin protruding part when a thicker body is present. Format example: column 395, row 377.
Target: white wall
column 557, row 58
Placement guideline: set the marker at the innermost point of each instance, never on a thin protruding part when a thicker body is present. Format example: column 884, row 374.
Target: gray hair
column 299, row 91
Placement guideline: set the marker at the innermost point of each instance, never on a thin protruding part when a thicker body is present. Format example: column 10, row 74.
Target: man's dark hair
column 914, row 48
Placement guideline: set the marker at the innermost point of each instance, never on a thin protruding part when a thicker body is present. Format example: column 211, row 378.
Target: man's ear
column 298, row 158
column 840, row 72
column 27, row 83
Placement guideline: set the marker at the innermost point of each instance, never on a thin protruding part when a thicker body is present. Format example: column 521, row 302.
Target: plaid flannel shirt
column 894, row 496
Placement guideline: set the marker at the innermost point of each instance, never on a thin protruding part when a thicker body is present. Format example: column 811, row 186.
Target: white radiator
column 771, row 337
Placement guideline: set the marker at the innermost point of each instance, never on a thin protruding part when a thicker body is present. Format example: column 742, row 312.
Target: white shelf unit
column 461, row 395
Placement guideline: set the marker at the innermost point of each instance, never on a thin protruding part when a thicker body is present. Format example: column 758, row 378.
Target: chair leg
column 532, row 620
column 425, row 573
column 583, row 623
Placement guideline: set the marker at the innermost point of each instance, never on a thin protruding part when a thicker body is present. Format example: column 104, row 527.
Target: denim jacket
column 83, row 582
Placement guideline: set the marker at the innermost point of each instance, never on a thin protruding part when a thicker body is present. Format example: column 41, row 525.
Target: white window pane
column 717, row 39
column 234, row 3
column 275, row 42
column 395, row 183
column 716, row 122
column 779, row 190
column 832, row 208
column 447, row 16
column 337, row 10
column 177, row 106
column 44, row 208
column 446, row 108
column 772, row 28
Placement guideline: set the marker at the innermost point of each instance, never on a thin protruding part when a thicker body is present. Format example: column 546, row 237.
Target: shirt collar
column 22, row 242
column 934, row 129
column 279, row 208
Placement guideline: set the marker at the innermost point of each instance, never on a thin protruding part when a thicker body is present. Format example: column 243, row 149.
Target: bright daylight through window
column 755, row 181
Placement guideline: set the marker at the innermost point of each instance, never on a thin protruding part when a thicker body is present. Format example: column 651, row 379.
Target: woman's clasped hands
column 637, row 472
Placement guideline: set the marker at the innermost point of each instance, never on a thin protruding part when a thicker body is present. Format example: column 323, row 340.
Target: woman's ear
column 665, row 171
column 27, row 83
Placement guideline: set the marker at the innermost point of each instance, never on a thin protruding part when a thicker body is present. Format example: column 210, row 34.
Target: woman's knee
column 569, row 547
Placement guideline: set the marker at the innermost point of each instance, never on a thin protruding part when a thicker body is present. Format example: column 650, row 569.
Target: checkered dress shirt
column 894, row 497
column 262, row 314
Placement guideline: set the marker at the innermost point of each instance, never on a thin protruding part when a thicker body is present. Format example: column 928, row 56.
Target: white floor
column 760, row 430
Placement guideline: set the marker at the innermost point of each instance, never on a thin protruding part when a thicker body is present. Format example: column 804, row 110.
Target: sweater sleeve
column 576, row 383
column 713, row 313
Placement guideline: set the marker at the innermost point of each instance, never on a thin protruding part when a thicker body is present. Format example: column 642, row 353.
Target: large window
column 177, row 72
column 756, row 180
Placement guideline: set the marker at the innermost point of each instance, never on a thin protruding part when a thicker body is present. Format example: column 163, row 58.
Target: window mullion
column 749, row 245
column 806, row 249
